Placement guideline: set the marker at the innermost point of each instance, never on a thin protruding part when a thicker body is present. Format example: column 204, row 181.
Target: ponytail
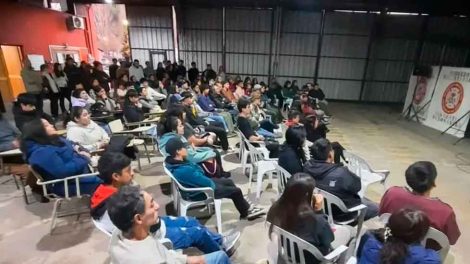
column 393, row 251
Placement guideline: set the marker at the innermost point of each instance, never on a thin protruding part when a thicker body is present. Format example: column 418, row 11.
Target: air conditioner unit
column 75, row 22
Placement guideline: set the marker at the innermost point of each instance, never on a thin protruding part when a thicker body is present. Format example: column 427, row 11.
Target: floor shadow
column 154, row 169
column 69, row 232
column 232, row 157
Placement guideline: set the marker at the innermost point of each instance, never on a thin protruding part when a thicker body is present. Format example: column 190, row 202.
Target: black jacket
column 318, row 94
column 192, row 119
column 102, row 77
column 22, row 117
column 289, row 160
column 338, row 180
column 192, row 74
column 133, row 113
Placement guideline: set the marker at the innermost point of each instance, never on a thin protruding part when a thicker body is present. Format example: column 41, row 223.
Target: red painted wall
column 36, row 28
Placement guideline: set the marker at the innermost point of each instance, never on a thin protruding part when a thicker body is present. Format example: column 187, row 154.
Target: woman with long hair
column 65, row 92
column 399, row 241
column 298, row 211
column 55, row 157
column 292, row 155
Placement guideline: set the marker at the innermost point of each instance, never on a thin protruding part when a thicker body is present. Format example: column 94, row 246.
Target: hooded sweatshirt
column 87, row 136
column 337, row 180
column 189, row 175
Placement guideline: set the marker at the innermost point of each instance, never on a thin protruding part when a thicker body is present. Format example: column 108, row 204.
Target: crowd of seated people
column 201, row 111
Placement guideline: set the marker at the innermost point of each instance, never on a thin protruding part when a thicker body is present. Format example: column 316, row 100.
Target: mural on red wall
column 110, row 26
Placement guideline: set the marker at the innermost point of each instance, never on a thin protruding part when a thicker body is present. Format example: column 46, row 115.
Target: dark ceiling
column 432, row 7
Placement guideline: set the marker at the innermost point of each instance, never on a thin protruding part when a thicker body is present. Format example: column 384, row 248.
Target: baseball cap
column 173, row 145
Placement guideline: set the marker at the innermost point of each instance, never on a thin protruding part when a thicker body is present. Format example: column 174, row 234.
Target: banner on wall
column 451, row 101
column 423, row 96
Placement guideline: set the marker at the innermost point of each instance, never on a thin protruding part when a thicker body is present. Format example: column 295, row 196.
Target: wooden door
column 11, row 83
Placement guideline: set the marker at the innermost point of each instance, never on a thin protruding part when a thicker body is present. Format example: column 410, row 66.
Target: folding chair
column 183, row 205
column 330, row 200
column 117, row 128
column 282, row 177
column 76, row 210
column 3, row 170
column 291, row 246
column 361, row 168
column 264, row 165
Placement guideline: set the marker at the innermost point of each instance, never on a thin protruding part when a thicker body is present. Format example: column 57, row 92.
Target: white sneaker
column 229, row 242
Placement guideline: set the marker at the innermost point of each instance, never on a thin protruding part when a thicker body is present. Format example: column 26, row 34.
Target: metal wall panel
column 391, row 71
column 340, row 89
column 341, row 68
column 344, row 46
column 200, row 38
column 348, row 24
column 431, row 53
column 299, row 21
column 402, row 27
column 385, row 92
column 449, row 26
column 394, row 49
column 455, row 56
column 248, row 38
column 150, row 28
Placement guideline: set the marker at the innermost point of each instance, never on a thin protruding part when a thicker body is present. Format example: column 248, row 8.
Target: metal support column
column 372, row 34
column 320, row 41
column 224, row 39
column 271, row 41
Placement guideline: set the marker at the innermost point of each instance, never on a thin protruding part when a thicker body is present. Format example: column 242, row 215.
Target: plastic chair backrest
column 116, row 126
column 440, row 238
column 291, row 246
column 255, row 154
column 283, row 176
column 356, row 164
column 329, row 201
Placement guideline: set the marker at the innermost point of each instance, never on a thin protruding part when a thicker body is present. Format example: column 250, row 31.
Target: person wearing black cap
column 192, row 176
column 24, row 110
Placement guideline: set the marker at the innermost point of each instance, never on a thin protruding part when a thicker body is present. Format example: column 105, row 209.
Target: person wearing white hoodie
column 85, row 131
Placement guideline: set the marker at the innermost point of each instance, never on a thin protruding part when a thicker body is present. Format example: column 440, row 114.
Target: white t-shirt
column 149, row 250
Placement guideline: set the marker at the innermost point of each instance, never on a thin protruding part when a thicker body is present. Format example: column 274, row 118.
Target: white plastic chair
column 264, row 165
column 290, row 245
column 330, row 200
column 56, row 212
column 361, row 168
column 184, row 205
column 282, row 177
column 432, row 234
column 243, row 152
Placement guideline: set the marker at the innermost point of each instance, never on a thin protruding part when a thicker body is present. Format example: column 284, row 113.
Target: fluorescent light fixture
column 108, row 1
column 402, row 14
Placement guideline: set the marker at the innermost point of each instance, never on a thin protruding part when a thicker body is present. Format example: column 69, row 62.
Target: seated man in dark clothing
column 24, row 110
column 132, row 107
column 337, row 180
column 191, row 175
column 244, row 126
column 195, row 121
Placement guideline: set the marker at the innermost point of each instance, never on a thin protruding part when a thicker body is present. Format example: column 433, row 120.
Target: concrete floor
column 374, row 132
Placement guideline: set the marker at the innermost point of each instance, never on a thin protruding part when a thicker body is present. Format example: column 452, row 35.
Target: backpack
column 120, row 144
column 98, row 110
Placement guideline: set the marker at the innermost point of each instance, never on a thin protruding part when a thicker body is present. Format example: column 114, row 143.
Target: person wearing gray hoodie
column 85, row 131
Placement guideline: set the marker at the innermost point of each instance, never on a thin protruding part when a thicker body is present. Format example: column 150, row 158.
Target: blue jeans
column 218, row 257
column 218, row 119
column 185, row 232
column 264, row 132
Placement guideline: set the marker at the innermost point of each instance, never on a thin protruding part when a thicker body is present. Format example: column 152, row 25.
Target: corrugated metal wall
column 200, row 38
column 252, row 45
column 150, row 29
column 298, row 46
column 248, row 36
column 343, row 54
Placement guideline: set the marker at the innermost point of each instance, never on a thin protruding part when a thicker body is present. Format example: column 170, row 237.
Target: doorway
column 157, row 56
column 11, row 83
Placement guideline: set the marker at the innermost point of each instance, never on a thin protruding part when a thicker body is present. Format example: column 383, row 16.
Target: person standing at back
column 99, row 74
column 148, row 69
column 61, row 80
column 113, row 73
column 181, row 70
column 421, row 177
column 136, row 70
column 193, row 73
column 209, row 73
column 33, row 83
column 52, row 90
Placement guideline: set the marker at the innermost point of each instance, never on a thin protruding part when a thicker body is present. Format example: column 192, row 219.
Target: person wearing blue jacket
column 54, row 157
column 191, row 175
column 399, row 242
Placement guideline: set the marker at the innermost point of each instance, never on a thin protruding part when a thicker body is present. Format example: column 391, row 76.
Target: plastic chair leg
column 218, row 214
column 147, row 152
column 183, row 210
column 138, row 161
